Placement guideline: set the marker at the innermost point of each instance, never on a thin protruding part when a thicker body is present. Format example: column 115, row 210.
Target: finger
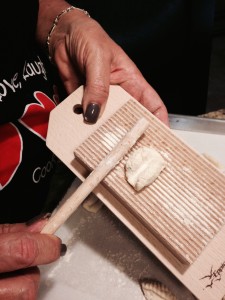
column 34, row 225
column 37, row 226
column 23, row 249
column 151, row 100
column 20, row 285
column 148, row 97
column 37, row 223
column 96, row 89
column 11, row 228
column 136, row 85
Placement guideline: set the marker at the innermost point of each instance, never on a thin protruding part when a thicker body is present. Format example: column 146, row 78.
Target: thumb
column 96, row 90
column 23, row 249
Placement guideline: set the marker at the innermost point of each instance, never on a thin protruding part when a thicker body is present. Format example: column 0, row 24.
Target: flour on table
column 143, row 166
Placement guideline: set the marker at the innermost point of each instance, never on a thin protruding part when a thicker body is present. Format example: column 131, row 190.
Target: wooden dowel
column 95, row 177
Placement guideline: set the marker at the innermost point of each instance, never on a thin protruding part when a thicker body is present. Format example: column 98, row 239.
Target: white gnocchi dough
column 143, row 166
column 92, row 203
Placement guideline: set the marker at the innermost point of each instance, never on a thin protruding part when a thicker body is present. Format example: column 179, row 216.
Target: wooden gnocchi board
column 180, row 217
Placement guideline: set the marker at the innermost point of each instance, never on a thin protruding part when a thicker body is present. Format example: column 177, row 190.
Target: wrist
column 48, row 10
column 50, row 14
column 55, row 23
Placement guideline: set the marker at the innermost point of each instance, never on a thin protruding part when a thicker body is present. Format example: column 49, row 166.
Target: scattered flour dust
column 92, row 257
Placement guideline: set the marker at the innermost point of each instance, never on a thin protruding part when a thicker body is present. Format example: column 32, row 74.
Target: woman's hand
column 22, row 249
column 84, row 54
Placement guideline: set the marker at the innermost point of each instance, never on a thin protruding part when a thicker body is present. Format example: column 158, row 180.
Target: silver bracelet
column 65, row 11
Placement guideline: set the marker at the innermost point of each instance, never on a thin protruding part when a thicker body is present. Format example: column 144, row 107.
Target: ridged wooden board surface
column 185, row 206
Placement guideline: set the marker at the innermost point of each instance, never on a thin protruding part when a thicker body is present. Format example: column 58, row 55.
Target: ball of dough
column 143, row 166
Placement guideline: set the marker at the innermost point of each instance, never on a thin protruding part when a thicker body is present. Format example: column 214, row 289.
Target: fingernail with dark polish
column 92, row 113
column 63, row 249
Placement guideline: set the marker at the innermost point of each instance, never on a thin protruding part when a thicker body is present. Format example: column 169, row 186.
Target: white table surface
column 104, row 260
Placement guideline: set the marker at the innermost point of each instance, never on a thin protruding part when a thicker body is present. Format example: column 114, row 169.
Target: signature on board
column 214, row 275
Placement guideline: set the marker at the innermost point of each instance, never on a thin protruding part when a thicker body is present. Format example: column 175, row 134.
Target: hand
column 22, row 248
column 84, row 54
